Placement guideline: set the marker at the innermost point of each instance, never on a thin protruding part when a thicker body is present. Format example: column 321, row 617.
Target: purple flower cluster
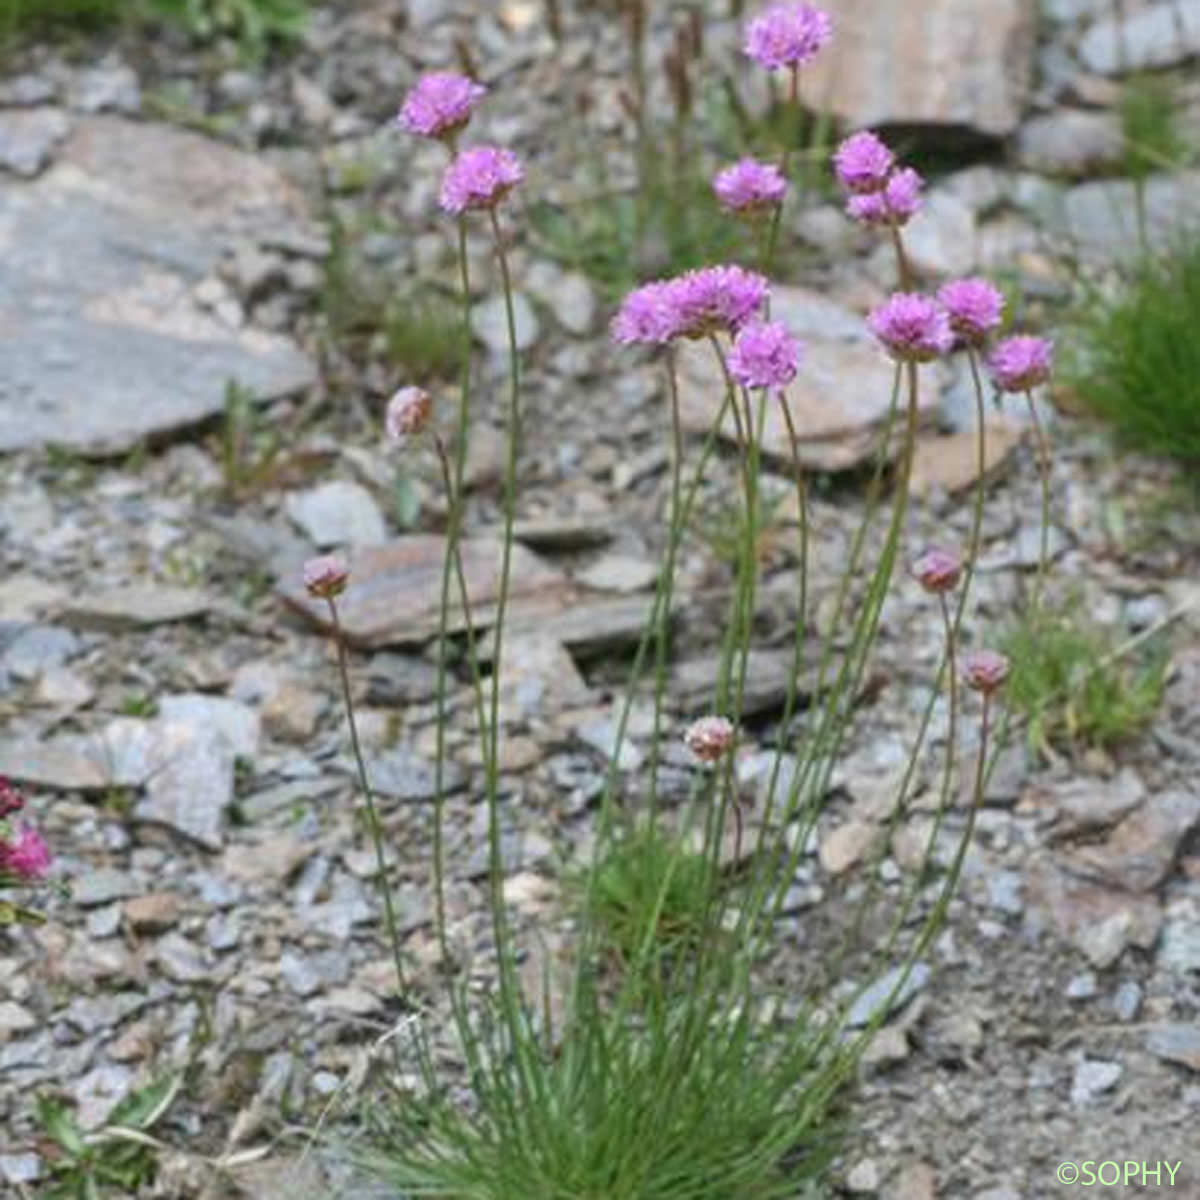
column 24, row 855
column 912, row 327
column 692, row 305
column 479, row 178
column 1019, row 364
column 440, row 105
column 975, row 307
column 749, row 187
column 787, row 35
column 764, row 355
column 879, row 191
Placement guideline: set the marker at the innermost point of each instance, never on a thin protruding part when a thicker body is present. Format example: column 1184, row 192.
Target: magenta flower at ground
column 764, row 355
column 479, row 178
column 862, row 163
column 709, row 738
column 325, row 576
column 912, row 327
column 974, row 306
column 985, row 670
column 647, row 314
column 11, row 800
column 24, row 856
column 938, row 570
column 407, row 413
column 1020, row 363
column 749, row 186
column 440, row 104
column 714, row 299
column 787, row 35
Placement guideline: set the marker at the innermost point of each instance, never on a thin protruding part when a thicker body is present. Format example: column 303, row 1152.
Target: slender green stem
column 785, row 161
column 376, row 829
column 1043, row 456
column 903, row 267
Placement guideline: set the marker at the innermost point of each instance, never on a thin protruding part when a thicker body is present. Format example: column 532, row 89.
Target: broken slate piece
column 401, row 775
column 135, row 606
column 191, row 789
column 877, row 994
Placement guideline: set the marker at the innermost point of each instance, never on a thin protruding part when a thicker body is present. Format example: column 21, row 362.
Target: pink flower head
column 407, row 413
column 893, row 204
column 716, row 298
column 1020, row 363
column 938, row 570
column 862, row 163
column 985, row 670
column 11, row 800
column 974, row 306
column 764, row 355
column 912, row 327
column 440, row 104
column 26, row 856
column 709, row 738
column 749, row 186
column 479, row 178
column 325, row 576
column 786, row 35
column 646, row 315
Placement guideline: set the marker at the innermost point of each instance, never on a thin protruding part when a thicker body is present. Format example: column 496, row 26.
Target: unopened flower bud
column 325, row 576
column 709, row 738
column 938, row 570
column 985, row 670
column 407, row 413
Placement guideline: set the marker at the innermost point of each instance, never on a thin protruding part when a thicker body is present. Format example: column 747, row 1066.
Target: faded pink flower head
column 440, row 104
column 479, row 178
column 709, row 738
column 912, row 327
column 407, row 413
column 787, row 35
column 749, row 187
column 862, row 163
column 325, row 576
column 764, row 355
column 646, row 315
column 27, row 857
column 1020, row 363
column 11, row 800
column 938, row 570
column 715, row 299
column 985, row 670
column 975, row 307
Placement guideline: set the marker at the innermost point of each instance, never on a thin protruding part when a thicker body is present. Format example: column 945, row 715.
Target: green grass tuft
column 1149, row 126
column 1137, row 360
column 1074, row 688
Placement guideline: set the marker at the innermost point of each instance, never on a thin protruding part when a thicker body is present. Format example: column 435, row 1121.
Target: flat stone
column 191, row 789
column 940, row 239
column 567, row 294
column 400, row 774
column 28, row 138
column 600, row 734
column 619, row 573
column 153, row 912
column 768, row 673
column 875, row 996
column 182, row 961
column 237, row 723
column 109, row 86
column 134, row 606
column 26, row 597
column 839, row 402
column 1140, row 852
column 1176, row 1043
column 1179, row 944
column 1126, row 1000
column 1082, row 986
column 949, row 68
column 337, row 513
column 915, row 1181
column 848, row 844
column 949, row 463
column 1077, row 806
column 15, row 1018
column 1070, row 142
column 38, row 648
column 489, row 323
column 102, row 885
column 100, row 257
column 1159, row 35
column 66, row 763
column 1092, row 1078
column 394, row 592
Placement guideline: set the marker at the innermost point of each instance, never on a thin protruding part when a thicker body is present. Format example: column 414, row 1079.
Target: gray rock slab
column 937, row 62
column 1159, row 35
column 237, row 723
column 877, row 994
column 28, row 138
column 1092, row 1077
column 192, row 786
column 489, row 323
column 1070, row 142
column 100, row 255
column 401, row 775
column 136, row 605
column 1176, row 1043
column 337, row 513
